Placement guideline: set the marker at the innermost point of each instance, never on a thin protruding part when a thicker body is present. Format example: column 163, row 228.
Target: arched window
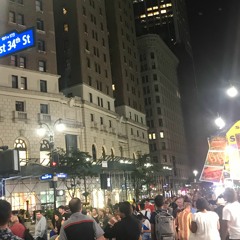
column 103, row 153
column 44, row 152
column 94, row 153
column 21, row 145
column 112, row 153
column 121, row 151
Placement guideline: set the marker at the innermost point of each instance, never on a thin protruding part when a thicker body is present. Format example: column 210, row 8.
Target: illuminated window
column 65, row 27
column 44, row 152
column 161, row 134
column 150, row 136
column 22, row 62
column 153, row 136
column 39, row 5
column 13, row 60
column 11, row 17
column 164, row 11
column 20, row 144
column 64, row 11
column 113, row 87
column 42, row 66
column 23, row 83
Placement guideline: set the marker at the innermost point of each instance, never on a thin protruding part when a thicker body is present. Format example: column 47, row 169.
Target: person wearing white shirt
column 231, row 216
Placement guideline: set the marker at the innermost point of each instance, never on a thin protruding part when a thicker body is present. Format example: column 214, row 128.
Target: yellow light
column 150, row 15
column 149, row 9
column 156, row 13
column 143, row 16
column 168, row 4
column 155, row 7
column 163, row 11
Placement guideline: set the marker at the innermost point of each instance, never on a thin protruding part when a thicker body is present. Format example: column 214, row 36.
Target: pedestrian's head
column 179, row 202
column 38, row 214
column 188, row 206
column 125, row 209
column 75, row 205
column 202, row 204
column 14, row 219
column 5, row 212
column 142, row 205
column 230, row 195
column 159, row 201
column 61, row 209
column 94, row 211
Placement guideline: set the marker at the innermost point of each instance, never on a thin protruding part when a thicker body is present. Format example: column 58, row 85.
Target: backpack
column 164, row 226
column 28, row 235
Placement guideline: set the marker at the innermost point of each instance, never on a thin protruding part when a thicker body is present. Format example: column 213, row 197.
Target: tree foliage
column 77, row 165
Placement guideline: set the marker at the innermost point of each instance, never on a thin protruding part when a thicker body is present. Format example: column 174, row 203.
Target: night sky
column 215, row 38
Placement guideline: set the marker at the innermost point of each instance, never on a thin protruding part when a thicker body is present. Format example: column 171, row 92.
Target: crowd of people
column 191, row 217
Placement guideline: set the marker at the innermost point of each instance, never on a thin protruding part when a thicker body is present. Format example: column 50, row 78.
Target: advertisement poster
column 215, row 160
column 232, row 165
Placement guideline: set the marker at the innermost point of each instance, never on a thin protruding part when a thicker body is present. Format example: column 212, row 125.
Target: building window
column 44, row 108
column 92, row 117
column 21, row 146
column 160, row 122
column 14, row 81
column 19, row 106
column 152, row 55
column 42, row 66
column 165, row 158
column 153, row 136
column 44, row 152
column 131, row 131
column 85, row 27
column 39, row 5
column 43, row 86
column 22, row 62
column 109, row 106
column 71, row 142
column 65, row 27
column 20, row 2
column 161, row 134
column 41, row 45
column 94, row 153
column 110, row 123
column 101, row 120
column 13, row 60
column 157, row 99
column 84, row 11
column 64, row 11
column 156, row 88
column 88, row 63
column 159, row 111
column 90, row 97
column 23, row 83
column 11, row 17
column 40, row 25
column 163, row 146
column 155, row 77
column 20, row 19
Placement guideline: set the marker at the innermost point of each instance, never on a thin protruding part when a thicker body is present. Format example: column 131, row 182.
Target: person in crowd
column 102, row 217
column 89, row 213
column 5, row 215
column 230, row 216
column 79, row 225
column 183, row 222
column 109, row 204
column 63, row 212
column 40, row 227
column 146, row 227
column 95, row 215
column 159, row 202
column 16, row 227
column 108, row 212
column 56, row 223
column 179, row 201
column 204, row 224
column 149, row 206
column 167, row 207
column 128, row 228
column 144, row 212
column 22, row 216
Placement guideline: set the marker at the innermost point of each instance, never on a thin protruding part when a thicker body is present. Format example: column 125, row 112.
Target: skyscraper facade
column 162, row 100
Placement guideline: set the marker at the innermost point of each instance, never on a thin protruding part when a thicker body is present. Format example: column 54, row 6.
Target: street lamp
column 220, row 122
column 195, row 173
column 232, row 92
column 43, row 129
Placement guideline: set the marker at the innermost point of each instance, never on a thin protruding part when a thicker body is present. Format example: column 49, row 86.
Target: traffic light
column 53, row 164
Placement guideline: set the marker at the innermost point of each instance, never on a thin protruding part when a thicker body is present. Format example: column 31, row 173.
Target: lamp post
column 195, row 173
column 43, row 129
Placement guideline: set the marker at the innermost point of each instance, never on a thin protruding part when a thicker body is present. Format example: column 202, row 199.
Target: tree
column 143, row 173
column 77, row 165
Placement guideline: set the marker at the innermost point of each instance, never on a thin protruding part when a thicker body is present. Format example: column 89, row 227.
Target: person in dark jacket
column 128, row 228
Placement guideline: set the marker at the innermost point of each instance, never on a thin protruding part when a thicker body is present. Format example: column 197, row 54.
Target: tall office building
column 167, row 18
column 124, row 58
column 163, row 106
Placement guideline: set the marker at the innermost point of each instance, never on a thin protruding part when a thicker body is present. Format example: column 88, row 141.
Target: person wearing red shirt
column 17, row 228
